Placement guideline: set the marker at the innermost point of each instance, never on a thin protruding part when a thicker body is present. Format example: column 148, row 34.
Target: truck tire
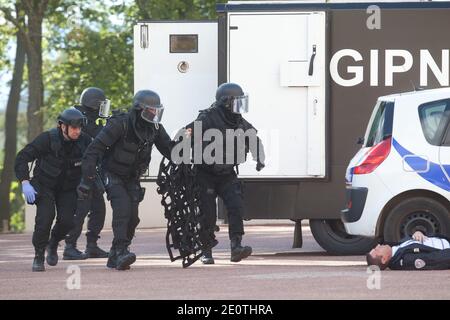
column 418, row 213
column 330, row 235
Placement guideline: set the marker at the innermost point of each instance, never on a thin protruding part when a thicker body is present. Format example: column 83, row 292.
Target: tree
column 177, row 9
column 97, row 52
column 31, row 32
column 10, row 147
column 91, row 51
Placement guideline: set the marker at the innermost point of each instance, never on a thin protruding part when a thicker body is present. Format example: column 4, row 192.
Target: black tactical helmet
column 149, row 106
column 144, row 98
column 92, row 98
column 72, row 117
column 232, row 97
column 228, row 90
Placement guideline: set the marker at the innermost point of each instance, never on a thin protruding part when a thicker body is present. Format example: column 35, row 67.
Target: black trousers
column 51, row 203
column 124, row 195
column 229, row 189
column 95, row 209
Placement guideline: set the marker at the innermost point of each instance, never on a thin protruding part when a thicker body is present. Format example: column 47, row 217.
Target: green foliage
column 177, row 9
column 102, row 59
column 17, row 220
column 6, row 40
column 92, row 52
column 21, row 132
column 89, row 43
column 5, row 63
column 90, row 48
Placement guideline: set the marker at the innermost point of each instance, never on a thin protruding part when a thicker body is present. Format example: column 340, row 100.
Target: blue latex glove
column 29, row 192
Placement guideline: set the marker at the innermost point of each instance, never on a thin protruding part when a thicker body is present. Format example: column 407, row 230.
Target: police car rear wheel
column 416, row 214
column 330, row 234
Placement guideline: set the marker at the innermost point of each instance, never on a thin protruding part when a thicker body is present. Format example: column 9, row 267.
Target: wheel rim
column 423, row 221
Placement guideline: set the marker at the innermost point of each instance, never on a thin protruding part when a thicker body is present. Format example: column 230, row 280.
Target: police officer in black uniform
column 123, row 148
column 220, row 177
column 58, row 153
column 94, row 106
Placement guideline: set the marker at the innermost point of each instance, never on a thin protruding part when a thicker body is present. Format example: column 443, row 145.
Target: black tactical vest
column 58, row 168
column 215, row 117
column 131, row 154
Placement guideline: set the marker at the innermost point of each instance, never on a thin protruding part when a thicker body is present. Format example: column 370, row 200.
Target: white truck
column 312, row 71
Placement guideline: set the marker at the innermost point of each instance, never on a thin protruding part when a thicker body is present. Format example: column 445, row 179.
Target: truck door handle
column 311, row 61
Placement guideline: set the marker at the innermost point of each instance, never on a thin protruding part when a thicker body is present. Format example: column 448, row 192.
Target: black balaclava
column 142, row 128
column 90, row 113
column 231, row 117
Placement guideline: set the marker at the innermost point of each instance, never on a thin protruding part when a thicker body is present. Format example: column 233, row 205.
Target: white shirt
column 436, row 243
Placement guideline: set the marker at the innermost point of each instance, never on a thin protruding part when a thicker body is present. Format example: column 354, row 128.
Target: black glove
column 99, row 183
column 259, row 166
column 83, row 190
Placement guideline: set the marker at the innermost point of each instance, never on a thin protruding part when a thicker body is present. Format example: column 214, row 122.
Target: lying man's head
column 379, row 256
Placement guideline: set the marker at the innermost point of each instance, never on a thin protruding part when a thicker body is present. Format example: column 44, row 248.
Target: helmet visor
column 152, row 114
column 105, row 108
column 77, row 123
column 240, row 104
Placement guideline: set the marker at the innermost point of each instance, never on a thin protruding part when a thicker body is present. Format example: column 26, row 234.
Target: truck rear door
column 279, row 60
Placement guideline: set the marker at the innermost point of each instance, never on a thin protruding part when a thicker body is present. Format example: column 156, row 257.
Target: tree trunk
column 11, row 134
column 35, row 82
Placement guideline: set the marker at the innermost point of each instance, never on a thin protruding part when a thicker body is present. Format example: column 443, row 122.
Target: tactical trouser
column 124, row 195
column 47, row 201
column 229, row 189
column 95, row 207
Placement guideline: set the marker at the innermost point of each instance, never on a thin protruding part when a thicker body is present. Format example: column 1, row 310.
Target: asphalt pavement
column 274, row 271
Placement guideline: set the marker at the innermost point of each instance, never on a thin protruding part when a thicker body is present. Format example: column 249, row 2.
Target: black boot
column 72, row 253
column 125, row 258
column 112, row 258
column 52, row 252
column 38, row 262
column 238, row 252
column 207, row 257
column 93, row 251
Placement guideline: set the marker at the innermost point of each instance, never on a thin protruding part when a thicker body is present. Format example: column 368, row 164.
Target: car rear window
column 434, row 118
column 381, row 126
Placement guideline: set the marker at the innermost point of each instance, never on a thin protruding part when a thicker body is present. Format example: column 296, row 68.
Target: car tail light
column 374, row 157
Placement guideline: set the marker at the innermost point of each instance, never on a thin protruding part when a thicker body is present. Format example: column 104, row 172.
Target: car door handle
column 311, row 61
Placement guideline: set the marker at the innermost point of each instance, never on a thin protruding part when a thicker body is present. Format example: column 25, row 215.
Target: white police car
column 399, row 181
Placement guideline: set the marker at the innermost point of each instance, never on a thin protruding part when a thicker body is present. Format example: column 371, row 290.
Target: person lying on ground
column 417, row 252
